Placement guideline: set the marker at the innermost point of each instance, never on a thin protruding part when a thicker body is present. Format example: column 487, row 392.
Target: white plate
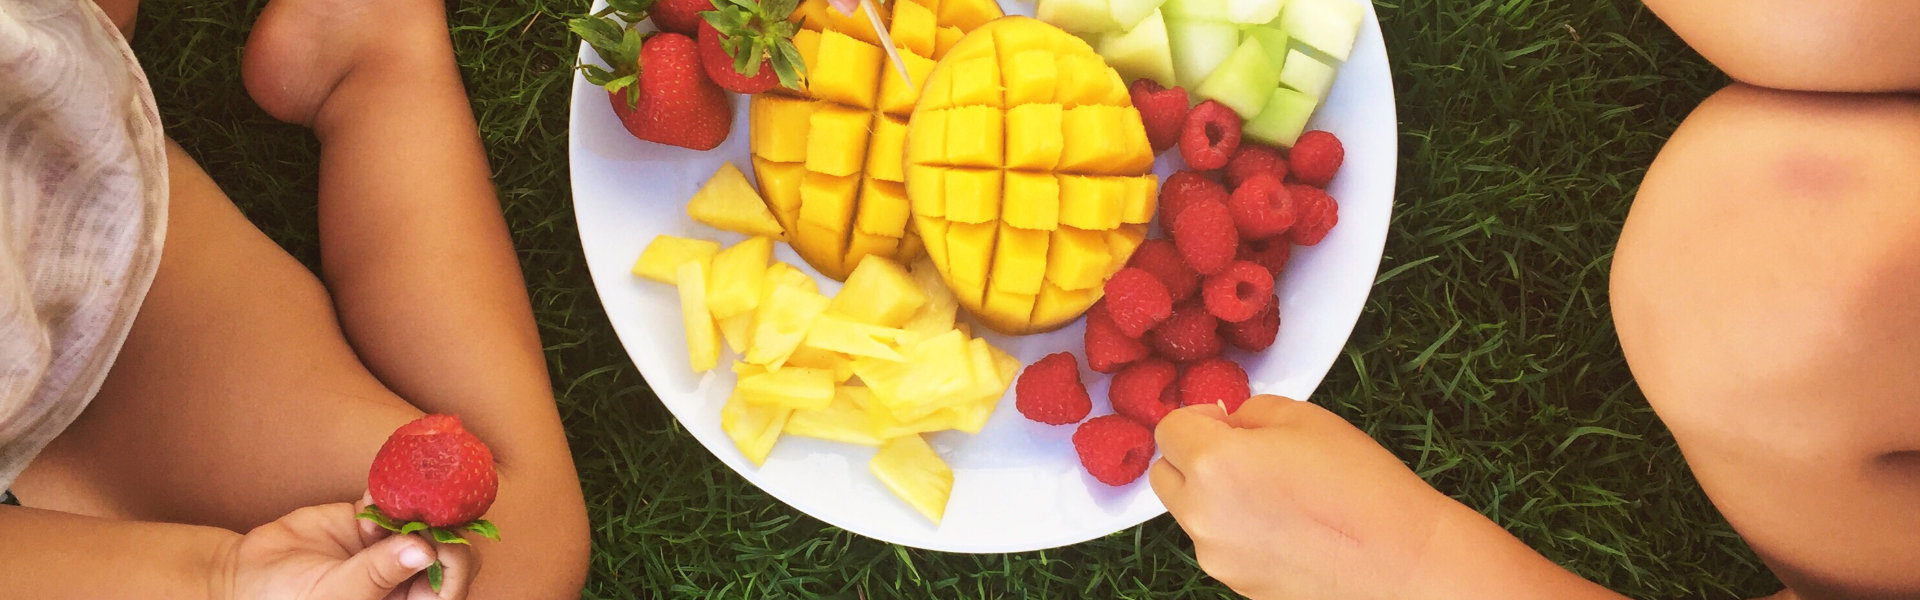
column 1018, row 485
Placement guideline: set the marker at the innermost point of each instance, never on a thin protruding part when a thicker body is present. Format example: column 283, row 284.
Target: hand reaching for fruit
column 323, row 553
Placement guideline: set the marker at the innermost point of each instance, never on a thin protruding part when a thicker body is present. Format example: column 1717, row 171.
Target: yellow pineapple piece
column 737, row 330
column 911, row 469
column 826, row 360
column 1025, row 223
column 729, row 203
column 836, row 333
column 789, row 387
column 839, row 142
column 662, row 259
column 936, row 315
column 703, row 337
column 781, row 274
column 754, row 428
column 846, row 419
column 738, row 272
column 878, row 292
column 781, row 322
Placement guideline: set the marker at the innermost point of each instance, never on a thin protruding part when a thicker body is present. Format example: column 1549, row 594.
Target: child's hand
column 324, row 553
column 1286, row 500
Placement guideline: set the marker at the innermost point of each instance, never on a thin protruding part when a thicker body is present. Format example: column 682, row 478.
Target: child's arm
column 314, row 553
column 1284, row 499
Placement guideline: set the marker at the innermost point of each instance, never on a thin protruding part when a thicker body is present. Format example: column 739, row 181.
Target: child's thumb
column 377, row 570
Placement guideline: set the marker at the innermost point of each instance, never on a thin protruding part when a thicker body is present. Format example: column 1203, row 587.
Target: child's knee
column 1826, row 46
column 544, row 545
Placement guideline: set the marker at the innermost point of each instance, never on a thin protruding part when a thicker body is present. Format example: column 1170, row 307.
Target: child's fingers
column 459, row 564
column 1169, row 484
column 1184, row 434
column 377, row 570
column 1269, row 411
column 368, row 530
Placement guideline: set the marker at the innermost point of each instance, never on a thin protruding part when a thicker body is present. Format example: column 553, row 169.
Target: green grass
column 1485, row 357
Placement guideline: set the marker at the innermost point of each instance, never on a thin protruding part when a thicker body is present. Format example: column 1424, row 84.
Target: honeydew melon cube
column 1244, row 81
column 1282, row 120
column 1272, row 38
column 1199, row 46
column 1077, row 16
column 1197, row 10
column 1253, row 12
column 1128, row 14
column 1141, row 52
column 1329, row 26
column 1307, row 74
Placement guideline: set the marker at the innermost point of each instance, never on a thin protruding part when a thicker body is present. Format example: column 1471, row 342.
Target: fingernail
column 415, row 558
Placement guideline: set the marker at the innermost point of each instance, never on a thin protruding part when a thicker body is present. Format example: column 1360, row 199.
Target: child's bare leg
column 1767, row 295
column 1823, row 46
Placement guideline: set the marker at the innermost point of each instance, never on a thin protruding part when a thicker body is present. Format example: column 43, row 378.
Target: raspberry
column 1163, row 110
column 1214, row 381
column 1261, row 207
column 1251, row 158
column 1137, row 301
column 1257, row 333
column 1271, row 253
column 1316, row 158
column 1049, row 391
column 1144, row 391
column 1315, row 213
column 1162, row 259
column 1185, row 187
column 1237, row 293
column 1108, row 348
column 1206, row 236
column 1189, row 335
column 1113, row 449
column 1211, row 134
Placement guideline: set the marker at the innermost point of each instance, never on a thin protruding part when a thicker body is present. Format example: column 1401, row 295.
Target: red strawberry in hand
column 747, row 46
column 657, row 86
column 433, row 476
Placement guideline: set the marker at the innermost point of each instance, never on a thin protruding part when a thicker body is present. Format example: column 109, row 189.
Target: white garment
column 83, row 207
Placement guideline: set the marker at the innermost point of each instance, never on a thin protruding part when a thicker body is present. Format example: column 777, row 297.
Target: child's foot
column 300, row 50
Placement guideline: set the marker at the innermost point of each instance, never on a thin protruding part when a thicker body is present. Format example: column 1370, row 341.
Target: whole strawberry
column 679, row 16
column 747, row 46
column 656, row 84
column 433, row 476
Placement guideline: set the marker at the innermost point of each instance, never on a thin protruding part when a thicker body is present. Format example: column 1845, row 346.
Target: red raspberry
column 1261, row 207
column 1206, row 236
column 1163, row 110
column 1257, row 333
column 1185, row 187
column 1050, row 392
column 1113, row 449
column 1144, row 391
column 1137, row 301
column 1214, row 381
column 1316, row 158
column 1315, row 213
column 1108, row 348
column 1271, row 253
column 1237, row 293
column 1162, row 259
column 1254, row 157
column 1210, row 136
column 1189, row 335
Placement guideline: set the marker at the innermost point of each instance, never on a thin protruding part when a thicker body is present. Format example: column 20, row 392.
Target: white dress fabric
column 83, row 205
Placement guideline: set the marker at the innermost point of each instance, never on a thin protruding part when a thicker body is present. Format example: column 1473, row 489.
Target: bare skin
column 244, row 394
column 1817, row 46
column 1768, row 300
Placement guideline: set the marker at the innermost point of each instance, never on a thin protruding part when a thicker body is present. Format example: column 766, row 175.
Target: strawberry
column 679, row 16
column 747, row 46
column 433, row 476
column 656, row 83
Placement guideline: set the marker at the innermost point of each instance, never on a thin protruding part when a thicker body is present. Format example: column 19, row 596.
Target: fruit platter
column 931, row 271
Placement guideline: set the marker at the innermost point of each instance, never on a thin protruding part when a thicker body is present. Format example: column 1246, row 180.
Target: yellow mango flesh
column 823, row 155
column 1028, row 171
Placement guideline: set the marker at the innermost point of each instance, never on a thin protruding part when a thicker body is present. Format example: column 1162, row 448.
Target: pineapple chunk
column 737, row 330
column 738, row 273
column 878, row 292
column 846, row 419
column 839, row 334
column 662, row 259
column 815, row 358
column 911, row 469
column 703, row 338
column 791, row 387
column 754, row 428
column 781, row 322
column 729, row 203
column 936, row 316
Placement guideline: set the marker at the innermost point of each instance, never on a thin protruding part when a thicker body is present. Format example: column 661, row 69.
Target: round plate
column 1018, row 485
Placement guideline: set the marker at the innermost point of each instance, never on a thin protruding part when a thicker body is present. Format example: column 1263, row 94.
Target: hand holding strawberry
column 433, row 476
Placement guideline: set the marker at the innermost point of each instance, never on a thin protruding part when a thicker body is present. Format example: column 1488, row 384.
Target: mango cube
column 969, row 253
column 1020, row 264
column 703, row 337
column 1006, row 306
column 887, row 151
column 662, row 259
column 827, row 201
column 856, row 65
column 1139, row 199
column 754, row 428
column 1092, row 203
column 780, row 182
column 1032, row 201
column 1034, row 136
column 883, row 210
column 1055, row 302
column 780, row 144
column 976, row 82
column 913, row 29
column 1030, row 77
column 837, row 140
column 927, row 190
column 789, row 387
column 972, row 195
column 910, row 468
column 1105, row 140
column 975, row 136
column 1077, row 259
column 895, row 95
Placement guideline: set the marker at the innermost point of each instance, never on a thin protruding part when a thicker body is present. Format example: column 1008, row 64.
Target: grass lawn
column 1485, row 358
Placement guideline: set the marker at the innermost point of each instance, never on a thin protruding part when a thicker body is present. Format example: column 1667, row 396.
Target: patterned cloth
column 83, row 205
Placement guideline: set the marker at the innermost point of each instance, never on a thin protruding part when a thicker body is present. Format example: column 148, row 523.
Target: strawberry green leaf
column 372, row 513
column 411, row 527
column 446, row 537
column 485, row 528
column 630, row 7
column 435, row 575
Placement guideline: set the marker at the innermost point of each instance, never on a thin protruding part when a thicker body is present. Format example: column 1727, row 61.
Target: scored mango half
column 829, row 157
column 1029, row 174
